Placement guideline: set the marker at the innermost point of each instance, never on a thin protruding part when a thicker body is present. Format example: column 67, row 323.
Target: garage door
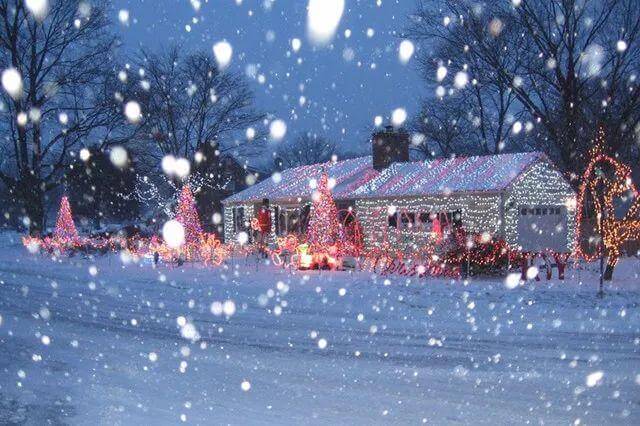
column 542, row 227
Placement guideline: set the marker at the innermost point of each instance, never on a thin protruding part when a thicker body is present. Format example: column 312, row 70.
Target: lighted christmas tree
column 65, row 228
column 324, row 228
column 187, row 215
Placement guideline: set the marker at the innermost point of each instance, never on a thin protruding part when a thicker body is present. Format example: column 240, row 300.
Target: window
column 281, row 220
column 303, row 222
column 238, row 219
column 392, row 220
column 408, row 220
column 457, row 218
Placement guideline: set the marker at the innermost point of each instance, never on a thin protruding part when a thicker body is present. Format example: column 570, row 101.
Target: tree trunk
column 608, row 272
column 31, row 195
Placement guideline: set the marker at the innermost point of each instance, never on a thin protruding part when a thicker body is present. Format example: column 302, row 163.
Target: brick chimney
column 390, row 145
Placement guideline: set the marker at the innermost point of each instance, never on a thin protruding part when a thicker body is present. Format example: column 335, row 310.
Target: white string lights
column 487, row 191
column 479, row 213
column 541, row 184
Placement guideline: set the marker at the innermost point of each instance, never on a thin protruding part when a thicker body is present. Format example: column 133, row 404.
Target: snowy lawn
column 100, row 342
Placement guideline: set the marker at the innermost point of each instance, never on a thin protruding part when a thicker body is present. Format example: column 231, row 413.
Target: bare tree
column 189, row 106
column 306, row 148
column 191, row 109
column 469, row 113
column 569, row 64
column 441, row 129
column 64, row 64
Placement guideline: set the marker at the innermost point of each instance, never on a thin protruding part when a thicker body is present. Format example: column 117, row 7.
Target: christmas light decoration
column 65, row 229
column 232, row 216
column 486, row 191
column 305, row 259
column 324, row 228
column 604, row 191
column 286, row 248
column 540, row 185
column 294, row 190
column 187, row 215
column 199, row 246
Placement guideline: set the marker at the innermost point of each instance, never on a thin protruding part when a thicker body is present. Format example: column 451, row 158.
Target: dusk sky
column 345, row 85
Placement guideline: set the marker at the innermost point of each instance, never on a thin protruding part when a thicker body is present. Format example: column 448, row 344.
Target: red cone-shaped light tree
column 187, row 215
column 324, row 228
column 65, row 228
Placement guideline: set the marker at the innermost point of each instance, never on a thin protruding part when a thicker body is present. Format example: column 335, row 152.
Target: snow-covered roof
column 447, row 175
column 297, row 182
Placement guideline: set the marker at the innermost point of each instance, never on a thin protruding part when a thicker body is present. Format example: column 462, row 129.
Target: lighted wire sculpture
column 603, row 191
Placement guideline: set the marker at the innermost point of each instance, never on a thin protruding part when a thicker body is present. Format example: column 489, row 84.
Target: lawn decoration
column 604, row 190
column 325, row 234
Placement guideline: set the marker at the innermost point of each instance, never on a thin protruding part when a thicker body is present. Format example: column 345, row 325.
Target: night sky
column 345, row 85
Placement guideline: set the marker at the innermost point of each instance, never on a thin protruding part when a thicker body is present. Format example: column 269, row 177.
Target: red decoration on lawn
column 199, row 246
column 65, row 228
column 324, row 228
column 187, row 215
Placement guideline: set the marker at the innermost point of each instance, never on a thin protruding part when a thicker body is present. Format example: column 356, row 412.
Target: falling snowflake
column 323, row 18
column 223, row 52
column 277, row 129
column 405, row 51
column 173, row 233
column 133, row 112
column 12, row 82
column 398, row 117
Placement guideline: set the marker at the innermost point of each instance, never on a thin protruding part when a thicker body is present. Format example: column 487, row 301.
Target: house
column 289, row 194
column 521, row 197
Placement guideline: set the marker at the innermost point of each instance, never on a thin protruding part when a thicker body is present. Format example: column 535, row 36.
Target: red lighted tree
column 324, row 228
column 187, row 215
column 65, row 228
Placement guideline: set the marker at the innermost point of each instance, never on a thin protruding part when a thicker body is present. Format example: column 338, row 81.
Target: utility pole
column 600, row 227
column 601, row 288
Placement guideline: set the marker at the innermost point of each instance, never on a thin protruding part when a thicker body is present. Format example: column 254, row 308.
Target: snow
column 223, row 52
column 277, row 129
column 461, row 79
column 123, row 16
column 12, row 82
column 39, row 8
column 297, row 182
column 173, row 233
column 398, row 117
column 133, row 112
column 405, row 51
column 118, row 156
column 296, row 43
column 178, row 167
column 477, row 173
column 323, row 19
column 135, row 344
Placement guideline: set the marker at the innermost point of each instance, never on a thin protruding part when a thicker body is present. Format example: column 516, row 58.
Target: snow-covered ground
column 100, row 342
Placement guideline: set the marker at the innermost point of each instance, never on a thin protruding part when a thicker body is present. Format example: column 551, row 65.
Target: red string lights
column 65, row 228
column 198, row 246
column 187, row 215
column 324, row 228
